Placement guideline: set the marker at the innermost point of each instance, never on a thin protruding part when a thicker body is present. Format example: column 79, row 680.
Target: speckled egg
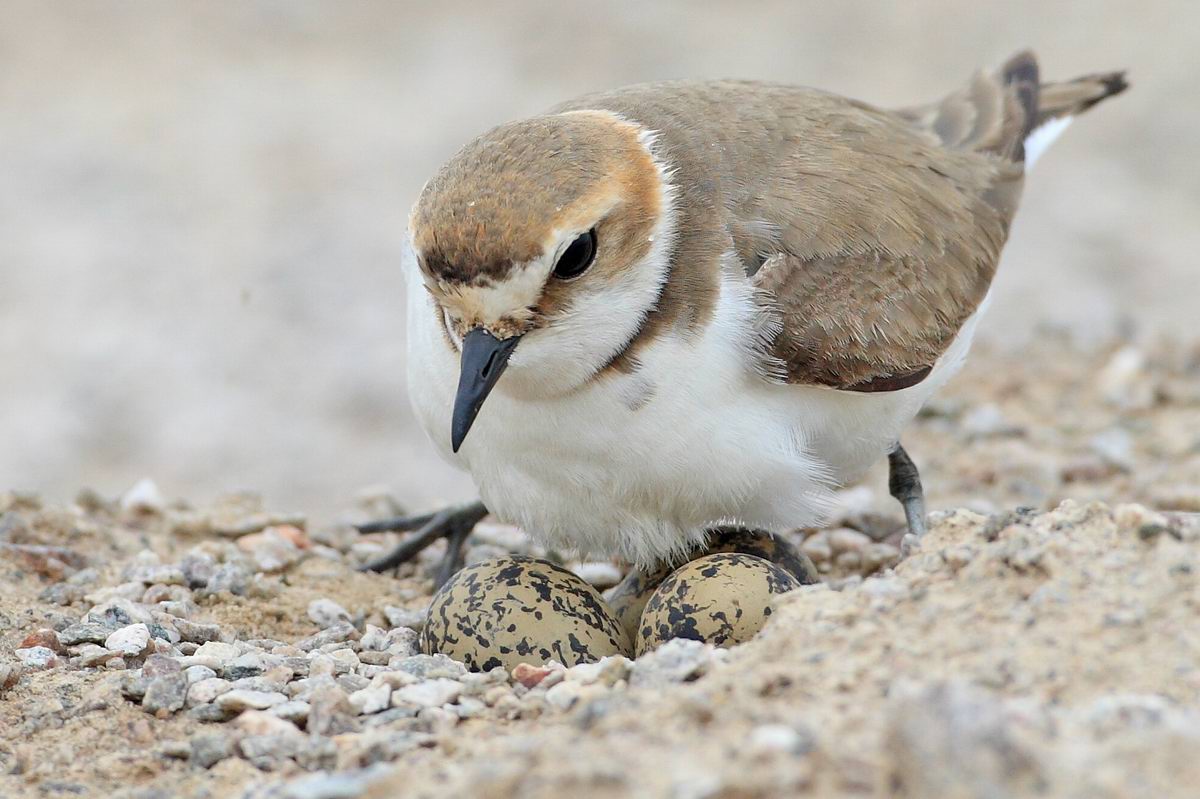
column 722, row 599
column 628, row 599
column 507, row 611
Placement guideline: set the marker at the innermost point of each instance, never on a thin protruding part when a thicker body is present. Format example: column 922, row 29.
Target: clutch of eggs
column 516, row 610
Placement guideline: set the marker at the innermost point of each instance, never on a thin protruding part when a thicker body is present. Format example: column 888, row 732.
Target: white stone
column 326, row 613
column 143, row 497
column 294, row 711
column 843, row 539
column 238, row 700
column 207, row 690
column 600, row 574
column 405, row 617
column 347, row 657
column 92, row 655
column 197, row 673
column 37, row 657
column 584, row 673
column 429, row 693
column 374, row 639
column 132, row 640
column 255, row 722
column 394, row 679
column 221, row 652
column 776, row 738
column 1114, row 445
column 372, row 699
column 1124, row 382
column 987, row 420
column 403, row 641
column 564, row 694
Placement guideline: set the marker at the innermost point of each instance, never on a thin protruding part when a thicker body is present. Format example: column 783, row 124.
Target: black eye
column 577, row 257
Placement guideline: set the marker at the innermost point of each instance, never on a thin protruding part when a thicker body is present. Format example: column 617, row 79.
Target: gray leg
column 453, row 524
column 904, row 483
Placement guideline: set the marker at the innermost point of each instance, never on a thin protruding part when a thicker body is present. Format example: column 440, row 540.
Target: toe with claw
column 454, row 524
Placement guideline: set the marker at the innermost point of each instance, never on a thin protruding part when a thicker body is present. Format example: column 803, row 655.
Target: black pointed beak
column 484, row 358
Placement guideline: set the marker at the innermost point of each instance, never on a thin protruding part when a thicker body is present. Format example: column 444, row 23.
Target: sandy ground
column 201, row 205
column 1051, row 651
column 201, row 208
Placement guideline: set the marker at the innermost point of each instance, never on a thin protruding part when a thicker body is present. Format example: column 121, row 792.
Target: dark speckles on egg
column 628, row 599
column 513, row 610
column 721, row 599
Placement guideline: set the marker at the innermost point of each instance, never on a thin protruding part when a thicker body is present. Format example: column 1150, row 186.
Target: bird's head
column 543, row 244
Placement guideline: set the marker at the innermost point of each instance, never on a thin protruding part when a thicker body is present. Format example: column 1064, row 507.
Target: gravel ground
column 153, row 649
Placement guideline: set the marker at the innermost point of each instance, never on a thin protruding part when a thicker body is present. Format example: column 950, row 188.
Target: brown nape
column 501, row 201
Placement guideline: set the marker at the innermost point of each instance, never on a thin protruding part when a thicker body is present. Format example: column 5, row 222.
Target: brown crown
column 500, row 199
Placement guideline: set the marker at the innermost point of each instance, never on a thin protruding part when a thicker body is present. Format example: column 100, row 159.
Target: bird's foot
column 454, row 524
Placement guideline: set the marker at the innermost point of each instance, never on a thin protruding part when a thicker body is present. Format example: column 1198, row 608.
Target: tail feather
column 1073, row 97
column 1010, row 112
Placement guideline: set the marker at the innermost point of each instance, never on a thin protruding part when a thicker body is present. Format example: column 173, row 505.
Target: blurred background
column 202, row 204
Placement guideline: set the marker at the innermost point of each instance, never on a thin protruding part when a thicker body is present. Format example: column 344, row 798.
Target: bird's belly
column 594, row 474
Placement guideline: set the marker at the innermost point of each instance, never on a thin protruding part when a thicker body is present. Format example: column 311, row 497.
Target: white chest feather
column 638, row 465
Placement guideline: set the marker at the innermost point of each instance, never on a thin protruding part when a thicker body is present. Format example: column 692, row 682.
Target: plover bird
column 670, row 306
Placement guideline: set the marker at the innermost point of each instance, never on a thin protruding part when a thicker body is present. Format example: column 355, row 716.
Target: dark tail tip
column 1021, row 72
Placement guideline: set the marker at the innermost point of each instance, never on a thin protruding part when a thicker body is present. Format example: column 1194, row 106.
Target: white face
column 570, row 346
column 598, row 323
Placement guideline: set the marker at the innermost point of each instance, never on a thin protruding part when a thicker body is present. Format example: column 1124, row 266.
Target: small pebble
column 325, row 613
column 210, row 749
column 195, row 674
column 600, row 574
column 987, row 421
column 677, row 660
column 818, row 547
column 130, row 641
column 43, row 637
column 404, row 617
column 205, row 691
column 293, row 710
column 372, row 699
column 143, row 497
column 198, row 568
column 165, row 694
column 197, row 633
column 248, row 665
column 338, row 633
column 843, row 539
column 330, row 711
column 236, row 701
column 90, row 655
column 232, row 577
column 1115, row 446
column 429, row 693
column 530, row 675
column 178, row 750
column 770, row 738
column 37, row 658
column 216, row 650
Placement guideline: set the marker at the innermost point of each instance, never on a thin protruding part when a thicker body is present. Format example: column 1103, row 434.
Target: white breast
column 637, row 466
